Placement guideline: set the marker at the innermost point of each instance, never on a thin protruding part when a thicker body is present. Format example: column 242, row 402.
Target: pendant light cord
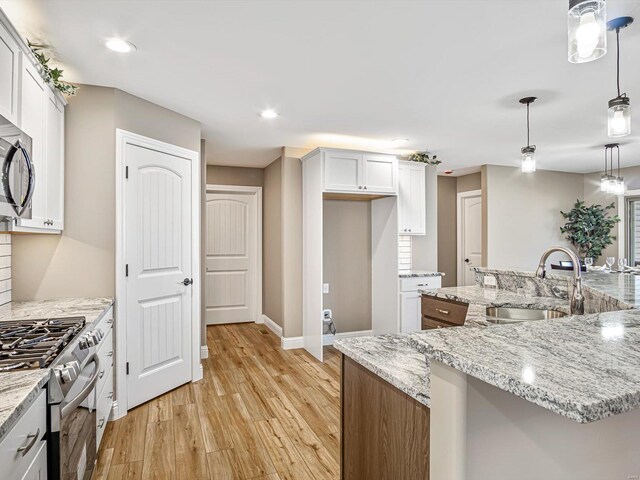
column 528, row 142
column 618, row 60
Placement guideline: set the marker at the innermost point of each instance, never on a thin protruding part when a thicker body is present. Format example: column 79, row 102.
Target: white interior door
column 231, row 257
column 469, row 237
column 158, row 253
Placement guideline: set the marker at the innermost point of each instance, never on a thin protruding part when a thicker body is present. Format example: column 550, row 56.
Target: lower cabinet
column 385, row 432
column 104, row 387
column 410, row 306
column 439, row 313
column 23, row 452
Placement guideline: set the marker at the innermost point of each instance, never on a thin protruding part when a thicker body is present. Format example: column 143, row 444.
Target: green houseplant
column 51, row 75
column 588, row 228
column 424, row 157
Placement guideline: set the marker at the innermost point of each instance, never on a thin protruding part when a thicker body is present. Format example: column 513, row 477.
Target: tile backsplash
column 404, row 253
column 5, row 269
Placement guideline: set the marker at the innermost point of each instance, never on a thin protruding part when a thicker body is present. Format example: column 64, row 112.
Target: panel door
column 54, row 129
column 404, row 199
column 159, row 258
column 343, row 172
column 32, row 120
column 380, row 174
column 471, row 224
column 231, row 256
column 9, row 76
column 416, row 209
column 410, row 312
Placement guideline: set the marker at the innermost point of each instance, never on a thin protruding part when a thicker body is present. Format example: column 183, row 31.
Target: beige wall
column 468, row 183
column 447, row 230
column 347, row 263
column 223, row 175
column 292, row 246
column 272, row 297
column 523, row 213
column 81, row 261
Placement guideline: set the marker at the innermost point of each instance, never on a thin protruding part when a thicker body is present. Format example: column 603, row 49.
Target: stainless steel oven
column 72, row 411
column 18, row 174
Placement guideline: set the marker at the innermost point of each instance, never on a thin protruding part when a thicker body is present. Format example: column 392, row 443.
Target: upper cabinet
column 38, row 109
column 348, row 171
column 412, row 218
column 9, row 66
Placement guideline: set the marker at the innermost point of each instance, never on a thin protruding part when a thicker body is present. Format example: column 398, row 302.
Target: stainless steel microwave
column 18, row 174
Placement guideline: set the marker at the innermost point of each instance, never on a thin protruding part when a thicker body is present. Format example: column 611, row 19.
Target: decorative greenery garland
column 424, row 157
column 52, row 75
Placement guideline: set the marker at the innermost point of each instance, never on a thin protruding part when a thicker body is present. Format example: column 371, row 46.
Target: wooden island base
column 385, row 432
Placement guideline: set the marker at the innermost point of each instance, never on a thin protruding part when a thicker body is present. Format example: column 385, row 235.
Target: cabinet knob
column 359, row 187
column 365, row 187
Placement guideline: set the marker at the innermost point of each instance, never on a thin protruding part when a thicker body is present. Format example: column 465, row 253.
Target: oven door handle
column 84, row 393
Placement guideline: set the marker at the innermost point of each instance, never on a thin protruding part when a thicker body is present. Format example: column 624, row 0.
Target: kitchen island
column 553, row 399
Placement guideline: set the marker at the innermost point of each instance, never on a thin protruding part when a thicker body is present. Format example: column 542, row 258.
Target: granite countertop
column 393, row 359
column 419, row 273
column 585, row 367
column 18, row 389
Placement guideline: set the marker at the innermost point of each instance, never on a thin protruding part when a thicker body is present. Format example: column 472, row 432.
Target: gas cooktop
column 29, row 344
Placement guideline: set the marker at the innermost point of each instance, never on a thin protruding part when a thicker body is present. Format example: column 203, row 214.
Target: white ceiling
column 446, row 74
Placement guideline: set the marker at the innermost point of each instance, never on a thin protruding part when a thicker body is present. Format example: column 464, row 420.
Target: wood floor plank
column 159, row 451
column 259, row 412
column 191, row 459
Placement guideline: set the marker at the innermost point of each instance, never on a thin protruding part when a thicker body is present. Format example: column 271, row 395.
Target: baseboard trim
column 271, row 325
column 204, row 352
column 329, row 339
column 291, row 343
column 115, row 411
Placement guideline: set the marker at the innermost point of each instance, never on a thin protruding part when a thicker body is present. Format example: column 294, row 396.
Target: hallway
column 259, row 413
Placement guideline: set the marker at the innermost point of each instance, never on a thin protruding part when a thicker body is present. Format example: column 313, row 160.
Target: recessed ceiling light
column 269, row 113
column 120, row 46
column 400, row 141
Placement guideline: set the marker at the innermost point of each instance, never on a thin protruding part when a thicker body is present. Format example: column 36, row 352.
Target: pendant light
column 528, row 152
column 610, row 183
column 619, row 114
column 586, row 22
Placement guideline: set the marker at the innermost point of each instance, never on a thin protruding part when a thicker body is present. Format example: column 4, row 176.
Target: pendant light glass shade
column 619, row 117
column 528, row 159
column 587, row 27
column 610, row 183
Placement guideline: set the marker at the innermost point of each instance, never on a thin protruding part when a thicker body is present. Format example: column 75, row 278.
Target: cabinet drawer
column 104, row 405
column 413, row 284
column 445, row 310
column 105, row 354
column 22, row 442
column 106, row 322
column 430, row 323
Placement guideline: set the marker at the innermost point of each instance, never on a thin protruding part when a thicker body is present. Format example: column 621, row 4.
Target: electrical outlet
column 325, row 288
column 490, row 281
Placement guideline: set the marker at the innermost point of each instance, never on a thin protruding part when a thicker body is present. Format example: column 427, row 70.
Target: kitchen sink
column 502, row 315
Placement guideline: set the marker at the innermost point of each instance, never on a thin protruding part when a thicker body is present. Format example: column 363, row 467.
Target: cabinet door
column 54, row 144
column 416, row 210
column 9, row 78
column 37, row 470
column 380, row 174
column 410, row 312
column 343, row 172
column 32, row 122
column 404, row 198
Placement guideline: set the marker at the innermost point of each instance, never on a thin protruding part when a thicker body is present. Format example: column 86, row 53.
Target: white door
column 380, row 173
column 9, row 65
column 54, row 142
column 159, row 258
column 410, row 312
column 343, row 171
column 469, row 237
column 411, row 199
column 231, row 257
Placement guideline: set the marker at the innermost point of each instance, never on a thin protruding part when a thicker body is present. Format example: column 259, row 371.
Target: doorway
column 233, row 254
column 157, row 268
column 469, row 233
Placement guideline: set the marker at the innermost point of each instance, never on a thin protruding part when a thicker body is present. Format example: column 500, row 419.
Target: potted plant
column 588, row 228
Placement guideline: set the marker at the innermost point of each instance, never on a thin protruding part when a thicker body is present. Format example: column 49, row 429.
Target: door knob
column 186, row 282
column 466, row 260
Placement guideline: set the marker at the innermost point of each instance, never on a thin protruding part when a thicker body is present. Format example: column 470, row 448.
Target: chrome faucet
column 577, row 300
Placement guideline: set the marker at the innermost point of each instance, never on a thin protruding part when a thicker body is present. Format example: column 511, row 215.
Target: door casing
column 459, row 231
column 124, row 138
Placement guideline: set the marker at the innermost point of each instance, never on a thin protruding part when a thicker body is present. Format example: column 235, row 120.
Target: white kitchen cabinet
column 343, row 171
column 32, row 122
column 38, row 109
column 9, row 68
column 412, row 218
column 38, row 468
column 349, row 171
column 410, row 301
column 104, row 387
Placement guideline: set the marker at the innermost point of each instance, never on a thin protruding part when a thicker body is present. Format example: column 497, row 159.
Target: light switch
column 325, row 288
